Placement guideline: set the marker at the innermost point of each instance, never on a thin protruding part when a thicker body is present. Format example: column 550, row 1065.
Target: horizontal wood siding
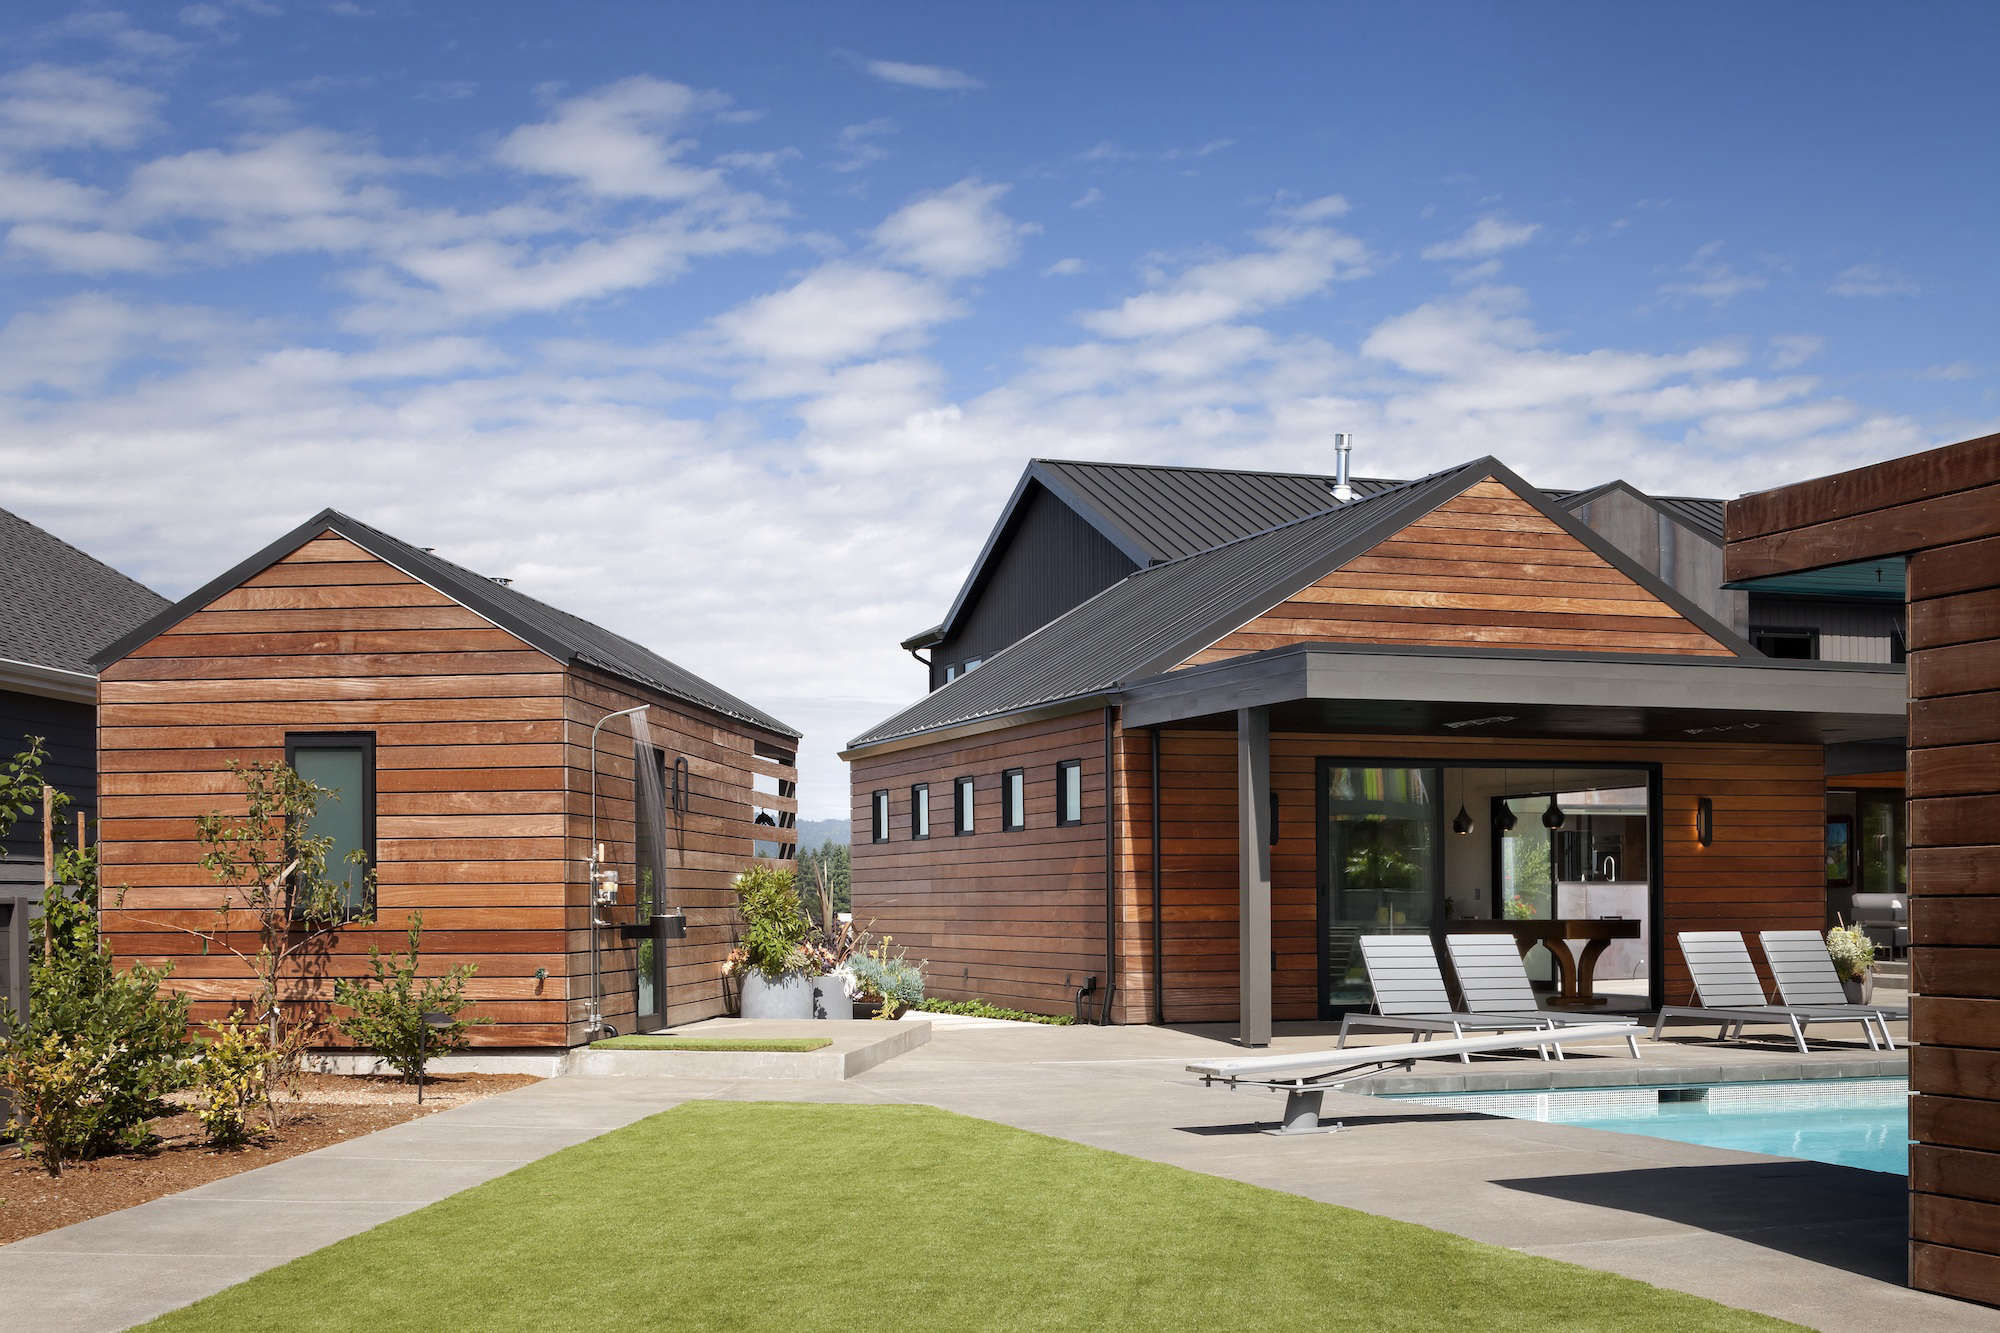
column 469, row 724
column 1941, row 509
column 1763, row 870
column 705, row 850
column 1485, row 567
column 1011, row 917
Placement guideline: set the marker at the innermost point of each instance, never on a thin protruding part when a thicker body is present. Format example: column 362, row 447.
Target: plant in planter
column 774, row 958
column 888, row 977
column 1853, row 955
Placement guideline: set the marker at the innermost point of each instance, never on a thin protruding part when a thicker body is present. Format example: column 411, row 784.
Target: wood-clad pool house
column 463, row 725
column 1192, row 732
column 1934, row 518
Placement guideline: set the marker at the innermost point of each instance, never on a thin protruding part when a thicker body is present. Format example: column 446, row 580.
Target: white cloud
column 855, row 146
column 1323, row 209
column 615, row 142
column 836, row 313
column 1487, row 237
column 1950, row 372
column 46, row 107
column 956, row 232
column 934, row 78
column 1712, row 279
column 31, row 196
column 203, row 16
column 1295, row 263
column 1064, row 268
column 1789, row 350
column 1873, row 280
column 92, row 251
column 1090, row 198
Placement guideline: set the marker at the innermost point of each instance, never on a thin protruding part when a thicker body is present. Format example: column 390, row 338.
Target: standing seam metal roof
column 1154, row 617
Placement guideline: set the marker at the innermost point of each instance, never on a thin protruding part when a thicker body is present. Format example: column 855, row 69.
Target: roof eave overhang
column 47, row 682
column 978, row 726
column 1467, row 687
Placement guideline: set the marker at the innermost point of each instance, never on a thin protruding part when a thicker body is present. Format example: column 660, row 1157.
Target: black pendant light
column 1505, row 819
column 1552, row 818
column 1461, row 823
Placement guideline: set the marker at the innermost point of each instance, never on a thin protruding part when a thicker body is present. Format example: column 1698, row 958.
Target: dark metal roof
column 567, row 638
column 59, row 605
column 1155, row 617
column 1158, row 616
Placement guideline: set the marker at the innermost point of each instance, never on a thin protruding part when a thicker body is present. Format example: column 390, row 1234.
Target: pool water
column 1861, row 1122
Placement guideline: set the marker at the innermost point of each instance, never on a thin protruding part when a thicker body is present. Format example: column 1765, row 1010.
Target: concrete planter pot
column 1859, row 992
column 785, row 998
column 829, row 998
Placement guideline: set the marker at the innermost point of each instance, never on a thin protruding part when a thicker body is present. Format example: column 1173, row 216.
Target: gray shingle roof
column 1154, row 618
column 57, row 605
column 565, row 637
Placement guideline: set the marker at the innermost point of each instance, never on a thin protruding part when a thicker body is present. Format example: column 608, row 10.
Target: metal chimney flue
column 1343, row 445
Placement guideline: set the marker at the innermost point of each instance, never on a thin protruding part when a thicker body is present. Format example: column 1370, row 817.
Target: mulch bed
column 331, row 1109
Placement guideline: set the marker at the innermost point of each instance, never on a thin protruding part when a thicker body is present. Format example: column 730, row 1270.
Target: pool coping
column 1543, row 1077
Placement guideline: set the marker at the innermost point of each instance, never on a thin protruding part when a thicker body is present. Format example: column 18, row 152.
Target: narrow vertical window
column 1069, row 792
column 920, row 810
column 344, row 764
column 1013, row 799
column 961, row 807
column 878, row 823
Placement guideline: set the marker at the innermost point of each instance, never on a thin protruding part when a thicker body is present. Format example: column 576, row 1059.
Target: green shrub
column 95, row 1058
column 775, row 928
column 981, row 1009
column 230, row 1077
column 388, row 1008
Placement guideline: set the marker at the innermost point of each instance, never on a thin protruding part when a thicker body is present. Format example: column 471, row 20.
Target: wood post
column 48, row 861
column 1253, row 908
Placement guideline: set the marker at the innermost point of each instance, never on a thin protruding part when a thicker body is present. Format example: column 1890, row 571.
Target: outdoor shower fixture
column 603, row 879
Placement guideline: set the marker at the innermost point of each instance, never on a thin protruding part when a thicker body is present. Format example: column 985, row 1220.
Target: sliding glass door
column 1379, row 874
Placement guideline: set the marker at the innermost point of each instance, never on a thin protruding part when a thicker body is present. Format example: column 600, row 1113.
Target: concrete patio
column 1820, row 1245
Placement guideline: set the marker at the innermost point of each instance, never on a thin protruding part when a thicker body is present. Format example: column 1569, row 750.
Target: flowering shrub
column 1852, row 951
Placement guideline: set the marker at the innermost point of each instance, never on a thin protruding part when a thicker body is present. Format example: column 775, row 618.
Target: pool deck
column 1821, row 1245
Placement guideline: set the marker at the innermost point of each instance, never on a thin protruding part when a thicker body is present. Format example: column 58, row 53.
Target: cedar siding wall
column 1014, row 918
column 482, row 789
column 1485, row 567
column 1942, row 508
column 714, row 841
column 1764, row 869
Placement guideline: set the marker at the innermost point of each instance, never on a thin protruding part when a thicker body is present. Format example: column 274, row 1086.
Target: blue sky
column 732, row 326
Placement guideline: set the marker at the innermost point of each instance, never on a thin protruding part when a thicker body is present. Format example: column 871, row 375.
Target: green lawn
column 781, row 1216
column 645, row 1043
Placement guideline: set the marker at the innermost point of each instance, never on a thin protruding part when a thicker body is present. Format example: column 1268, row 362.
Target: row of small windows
column 1013, row 803
column 954, row 670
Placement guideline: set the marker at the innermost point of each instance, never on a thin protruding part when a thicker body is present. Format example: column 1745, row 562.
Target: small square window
column 961, row 807
column 1069, row 792
column 878, row 830
column 1014, row 799
column 1800, row 645
column 920, row 810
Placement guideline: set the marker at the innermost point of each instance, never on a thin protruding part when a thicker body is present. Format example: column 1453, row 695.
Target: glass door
column 1379, row 871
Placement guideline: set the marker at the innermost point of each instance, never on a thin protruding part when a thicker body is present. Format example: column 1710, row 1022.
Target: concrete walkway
column 1820, row 1245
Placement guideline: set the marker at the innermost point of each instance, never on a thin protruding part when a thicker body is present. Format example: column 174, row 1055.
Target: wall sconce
column 1704, row 821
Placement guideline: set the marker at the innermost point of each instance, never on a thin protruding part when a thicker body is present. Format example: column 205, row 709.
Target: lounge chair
column 1728, row 992
column 1493, row 983
column 1410, row 997
column 1806, row 977
column 1305, row 1078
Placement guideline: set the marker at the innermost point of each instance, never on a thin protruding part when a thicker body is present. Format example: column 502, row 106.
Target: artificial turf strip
column 641, row 1042
column 782, row 1216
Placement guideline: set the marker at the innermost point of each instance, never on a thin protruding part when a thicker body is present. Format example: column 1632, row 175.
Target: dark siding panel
column 71, row 731
column 1052, row 561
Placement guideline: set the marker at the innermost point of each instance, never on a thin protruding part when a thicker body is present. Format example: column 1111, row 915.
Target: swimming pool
column 1863, row 1122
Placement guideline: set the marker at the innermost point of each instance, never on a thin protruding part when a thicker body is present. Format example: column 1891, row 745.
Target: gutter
column 48, row 682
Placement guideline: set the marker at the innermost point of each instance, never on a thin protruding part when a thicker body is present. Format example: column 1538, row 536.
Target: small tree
column 388, row 1010
column 775, row 928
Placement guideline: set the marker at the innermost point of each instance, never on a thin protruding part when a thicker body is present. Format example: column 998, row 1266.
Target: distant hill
column 813, row 832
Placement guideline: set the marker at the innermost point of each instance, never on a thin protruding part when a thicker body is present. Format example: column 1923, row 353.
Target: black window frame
column 878, row 815
column 363, row 741
column 964, row 815
column 1012, row 819
column 920, row 812
column 1063, row 767
column 1761, row 633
